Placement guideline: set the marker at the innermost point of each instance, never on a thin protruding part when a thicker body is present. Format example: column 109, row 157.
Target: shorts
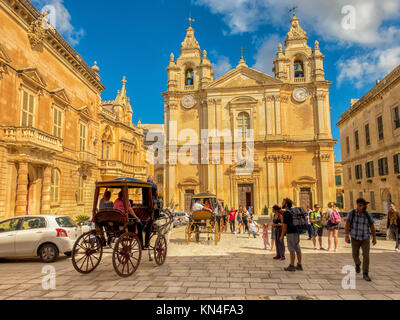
column 316, row 231
column 331, row 226
column 293, row 242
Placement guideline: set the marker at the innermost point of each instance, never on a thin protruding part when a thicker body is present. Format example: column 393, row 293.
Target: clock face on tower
column 300, row 94
column 188, row 101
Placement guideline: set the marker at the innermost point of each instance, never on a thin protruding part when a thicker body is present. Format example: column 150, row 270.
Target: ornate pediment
column 61, row 96
column 243, row 77
column 33, row 76
column 85, row 113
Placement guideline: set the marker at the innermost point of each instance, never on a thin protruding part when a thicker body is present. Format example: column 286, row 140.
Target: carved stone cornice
column 323, row 157
column 280, row 158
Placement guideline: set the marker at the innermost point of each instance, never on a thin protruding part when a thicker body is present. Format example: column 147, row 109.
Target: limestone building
column 339, row 180
column 288, row 115
column 56, row 135
column 370, row 142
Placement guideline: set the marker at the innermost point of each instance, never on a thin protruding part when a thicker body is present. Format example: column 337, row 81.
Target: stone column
column 268, row 115
column 278, row 127
column 22, row 189
column 320, row 110
column 271, row 182
column 46, row 190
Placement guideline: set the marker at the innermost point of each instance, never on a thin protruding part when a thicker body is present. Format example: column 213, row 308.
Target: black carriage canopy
column 125, row 184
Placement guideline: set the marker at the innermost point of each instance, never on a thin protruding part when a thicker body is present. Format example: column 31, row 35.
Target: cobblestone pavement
column 237, row 268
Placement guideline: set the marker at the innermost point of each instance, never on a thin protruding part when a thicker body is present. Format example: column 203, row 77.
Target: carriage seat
column 202, row 215
column 110, row 215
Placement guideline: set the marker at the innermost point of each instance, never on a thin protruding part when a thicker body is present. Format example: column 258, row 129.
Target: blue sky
column 359, row 38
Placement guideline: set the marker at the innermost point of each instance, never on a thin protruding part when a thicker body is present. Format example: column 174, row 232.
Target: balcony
column 299, row 80
column 87, row 159
column 31, row 138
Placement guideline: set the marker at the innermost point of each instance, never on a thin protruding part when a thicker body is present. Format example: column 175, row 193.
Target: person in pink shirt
column 265, row 236
column 119, row 205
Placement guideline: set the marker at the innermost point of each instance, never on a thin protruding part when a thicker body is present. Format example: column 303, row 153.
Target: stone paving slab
column 238, row 268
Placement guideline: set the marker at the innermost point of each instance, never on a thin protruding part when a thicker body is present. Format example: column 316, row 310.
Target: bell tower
column 191, row 71
column 298, row 63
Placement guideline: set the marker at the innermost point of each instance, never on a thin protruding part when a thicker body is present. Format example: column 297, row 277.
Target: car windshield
column 65, row 222
column 377, row 216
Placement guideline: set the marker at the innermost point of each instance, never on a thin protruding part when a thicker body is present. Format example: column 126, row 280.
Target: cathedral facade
column 282, row 125
column 57, row 137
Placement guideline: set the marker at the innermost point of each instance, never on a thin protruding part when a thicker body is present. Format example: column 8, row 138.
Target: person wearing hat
column 359, row 227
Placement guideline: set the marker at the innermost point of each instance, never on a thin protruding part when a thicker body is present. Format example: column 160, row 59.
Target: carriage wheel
column 188, row 232
column 160, row 250
column 127, row 254
column 87, row 252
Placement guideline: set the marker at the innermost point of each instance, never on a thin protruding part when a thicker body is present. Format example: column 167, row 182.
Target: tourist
column 239, row 219
column 292, row 236
column 333, row 218
column 245, row 220
column 393, row 223
column 254, row 228
column 105, row 201
column 317, row 227
column 207, row 206
column 359, row 227
column 232, row 218
column 120, row 206
column 265, row 236
column 218, row 214
column 197, row 206
column 277, row 224
column 309, row 224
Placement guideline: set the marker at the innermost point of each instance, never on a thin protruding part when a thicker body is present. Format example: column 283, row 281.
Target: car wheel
column 48, row 253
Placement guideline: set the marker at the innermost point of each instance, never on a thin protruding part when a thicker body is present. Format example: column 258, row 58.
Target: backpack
column 335, row 217
column 299, row 216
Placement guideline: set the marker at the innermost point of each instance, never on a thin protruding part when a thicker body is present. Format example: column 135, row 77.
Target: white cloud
column 62, row 20
column 266, row 54
column 375, row 34
column 367, row 68
column 222, row 64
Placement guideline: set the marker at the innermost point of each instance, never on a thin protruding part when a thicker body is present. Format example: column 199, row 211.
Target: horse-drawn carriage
column 117, row 230
column 204, row 220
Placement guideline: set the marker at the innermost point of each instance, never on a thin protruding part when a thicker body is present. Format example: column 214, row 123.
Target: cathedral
column 286, row 116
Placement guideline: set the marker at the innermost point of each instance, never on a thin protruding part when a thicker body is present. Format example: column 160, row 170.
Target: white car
column 43, row 236
column 180, row 218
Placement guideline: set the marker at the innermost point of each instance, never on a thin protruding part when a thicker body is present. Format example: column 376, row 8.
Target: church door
column 246, row 197
column 305, row 198
column 188, row 199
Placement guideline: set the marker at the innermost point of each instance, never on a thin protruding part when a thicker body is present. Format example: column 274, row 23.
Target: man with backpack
column 359, row 227
column 293, row 236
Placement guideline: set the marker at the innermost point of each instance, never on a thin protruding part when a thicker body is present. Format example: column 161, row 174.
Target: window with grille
column 57, row 122
column 373, row 205
column 383, row 167
column 358, row 172
column 380, row 128
column 28, row 109
column 243, row 121
column 356, row 140
column 367, row 135
column 396, row 160
column 369, row 169
column 82, row 137
column 349, row 173
column 338, row 180
column 396, row 118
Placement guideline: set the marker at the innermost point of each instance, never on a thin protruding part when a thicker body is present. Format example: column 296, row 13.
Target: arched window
column 298, row 69
column 243, row 121
column 106, row 145
column 189, row 77
column 55, row 186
